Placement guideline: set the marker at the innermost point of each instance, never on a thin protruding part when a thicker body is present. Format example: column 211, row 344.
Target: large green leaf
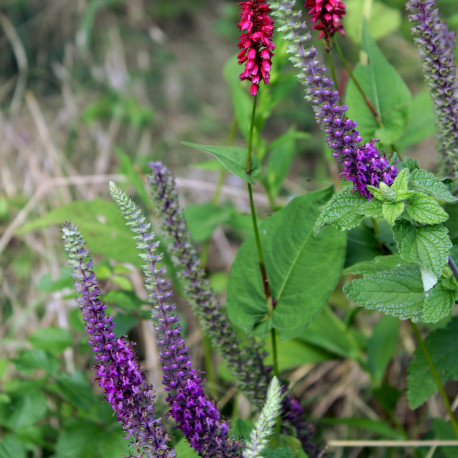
column 425, row 210
column 425, row 245
column 302, row 270
column 233, row 158
column 100, row 224
column 385, row 89
column 428, row 182
column 442, row 346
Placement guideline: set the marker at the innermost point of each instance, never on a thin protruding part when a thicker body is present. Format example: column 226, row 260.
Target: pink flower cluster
column 329, row 14
column 256, row 45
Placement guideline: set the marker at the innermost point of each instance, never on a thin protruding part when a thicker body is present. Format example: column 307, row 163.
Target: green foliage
column 442, row 346
column 51, row 339
column 385, row 89
column 233, row 159
column 300, row 281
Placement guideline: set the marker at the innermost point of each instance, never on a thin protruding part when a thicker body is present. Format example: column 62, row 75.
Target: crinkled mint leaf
column 442, row 345
column 401, row 182
column 376, row 192
column 421, row 180
column 392, row 210
column 397, row 292
column 426, row 245
column 372, row 209
column 439, row 303
column 378, row 264
column 424, row 209
column 342, row 211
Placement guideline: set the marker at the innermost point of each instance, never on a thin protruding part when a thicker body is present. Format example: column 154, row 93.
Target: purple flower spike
column 341, row 134
column 196, row 415
column 436, row 47
column 118, row 373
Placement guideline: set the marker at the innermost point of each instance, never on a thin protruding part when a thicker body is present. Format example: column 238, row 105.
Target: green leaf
column 442, row 346
column 76, row 389
column 342, row 211
column 443, row 430
column 401, row 182
column 439, row 303
column 361, row 245
column 101, row 225
column 387, row 91
column 421, row 180
column 422, row 121
column 84, row 438
column 281, row 153
column 242, row 428
column 381, row 347
column 31, row 360
column 11, row 446
column 425, row 209
column 383, row 20
column 392, row 210
column 24, row 410
column 379, row 264
column 52, row 339
column 372, row 209
column 203, row 219
column 184, row 450
column 47, row 285
column 397, row 292
column 302, row 270
column 426, row 245
column 233, row 158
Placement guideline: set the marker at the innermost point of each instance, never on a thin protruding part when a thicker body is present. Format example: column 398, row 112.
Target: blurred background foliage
column 81, row 82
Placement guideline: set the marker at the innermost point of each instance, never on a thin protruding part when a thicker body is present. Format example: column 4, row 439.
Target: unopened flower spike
column 244, row 361
column 196, row 415
column 364, row 164
column 328, row 14
column 265, row 424
column 118, row 373
column 436, row 46
column 256, row 43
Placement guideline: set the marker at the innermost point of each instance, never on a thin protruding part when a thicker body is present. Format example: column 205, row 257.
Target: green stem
column 333, row 73
column 262, row 266
column 435, row 375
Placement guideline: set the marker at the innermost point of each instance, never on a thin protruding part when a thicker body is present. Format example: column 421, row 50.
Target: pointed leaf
column 392, row 210
column 426, row 245
column 425, row 209
column 439, row 303
column 233, row 158
column 422, row 180
column 302, row 270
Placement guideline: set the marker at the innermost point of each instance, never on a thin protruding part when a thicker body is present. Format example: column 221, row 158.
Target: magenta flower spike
column 328, row 14
column 256, row 43
column 118, row 373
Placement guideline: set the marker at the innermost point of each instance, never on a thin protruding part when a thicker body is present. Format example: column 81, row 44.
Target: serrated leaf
column 426, row 245
column 439, row 303
column 401, row 181
column 424, row 209
column 379, row 264
column 233, row 158
column 371, row 209
column 342, row 211
column 387, row 91
column 442, row 346
column 421, row 180
column 377, row 193
column 392, row 210
column 397, row 292
column 301, row 281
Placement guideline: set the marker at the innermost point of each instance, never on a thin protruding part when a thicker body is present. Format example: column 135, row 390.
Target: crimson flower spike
column 256, row 43
column 328, row 14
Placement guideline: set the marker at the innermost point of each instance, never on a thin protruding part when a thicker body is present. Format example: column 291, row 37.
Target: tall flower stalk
column 436, row 45
column 364, row 164
column 196, row 415
column 118, row 373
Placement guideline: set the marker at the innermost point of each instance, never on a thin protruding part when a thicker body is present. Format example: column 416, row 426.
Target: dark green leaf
column 386, row 90
column 24, row 410
column 11, row 446
column 52, row 339
column 425, row 245
column 233, row 158
column 31, row 360
column 124, row 323
column 381, row 347
column 361, row 245
column 302, row 270
column 242, row 428
column 442, row 346
column 75, row 388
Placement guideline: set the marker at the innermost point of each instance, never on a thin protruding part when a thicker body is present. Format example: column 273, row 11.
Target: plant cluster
column 405, row 219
